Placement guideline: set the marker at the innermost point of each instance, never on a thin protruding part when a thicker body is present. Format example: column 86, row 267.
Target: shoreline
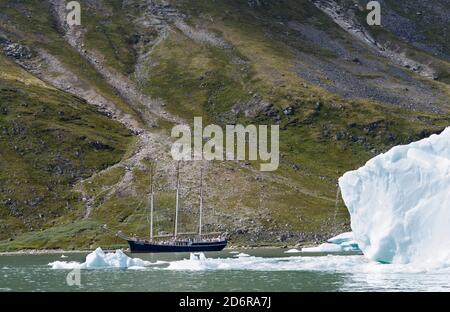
column 62, row 251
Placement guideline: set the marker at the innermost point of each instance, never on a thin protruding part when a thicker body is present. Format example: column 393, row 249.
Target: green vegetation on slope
column 323, row 137
column 253, row 80
column 21, row 18
column 49, row 140
column 110, row 33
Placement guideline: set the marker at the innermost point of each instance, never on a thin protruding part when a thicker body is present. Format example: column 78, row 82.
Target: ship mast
column 177, row 200
column 201, row 203
column 151, row 202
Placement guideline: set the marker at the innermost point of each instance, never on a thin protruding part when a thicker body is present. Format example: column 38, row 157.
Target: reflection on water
column 262, row 270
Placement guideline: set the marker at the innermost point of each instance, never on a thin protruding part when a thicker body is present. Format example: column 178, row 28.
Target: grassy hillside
column 338, row 103
column 49, row 140
column 323, row 135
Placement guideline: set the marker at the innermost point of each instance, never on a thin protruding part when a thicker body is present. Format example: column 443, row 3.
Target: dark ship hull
column 140, row 246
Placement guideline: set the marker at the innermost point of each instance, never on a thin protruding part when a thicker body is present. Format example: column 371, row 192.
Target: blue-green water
column 262, row 270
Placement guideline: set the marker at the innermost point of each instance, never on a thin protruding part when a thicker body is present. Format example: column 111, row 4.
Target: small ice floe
column 63, row 256
column 241, row 255
column 294, row 263
column 197, row 256
column 325, row 247
column 350, row 246
column 328, row 263
column 292, row 251
column 342, row 243
column 98, row 259
column 65, row 265
column 341, row 238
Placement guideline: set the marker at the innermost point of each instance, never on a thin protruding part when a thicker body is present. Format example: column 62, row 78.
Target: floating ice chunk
column 399, row 203
column 99, row 259
column 63, row 256
column 137, row 268
column 341, row 243
column 292, row 263
column 197, row 256
column 64, row 265
column 242, row 255
column 350, row 246
column 325, row 247
column 292, row 251
column 341, row 238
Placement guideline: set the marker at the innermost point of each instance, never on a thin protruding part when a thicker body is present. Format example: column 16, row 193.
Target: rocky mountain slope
column 87, row 110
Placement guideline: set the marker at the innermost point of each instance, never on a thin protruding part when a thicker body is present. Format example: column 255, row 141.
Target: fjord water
column 259, row 270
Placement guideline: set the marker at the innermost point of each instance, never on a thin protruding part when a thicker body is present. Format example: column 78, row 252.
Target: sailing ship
column 178, row 242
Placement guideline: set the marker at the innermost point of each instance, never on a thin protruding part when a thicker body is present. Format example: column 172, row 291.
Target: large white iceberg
column 399, row 203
